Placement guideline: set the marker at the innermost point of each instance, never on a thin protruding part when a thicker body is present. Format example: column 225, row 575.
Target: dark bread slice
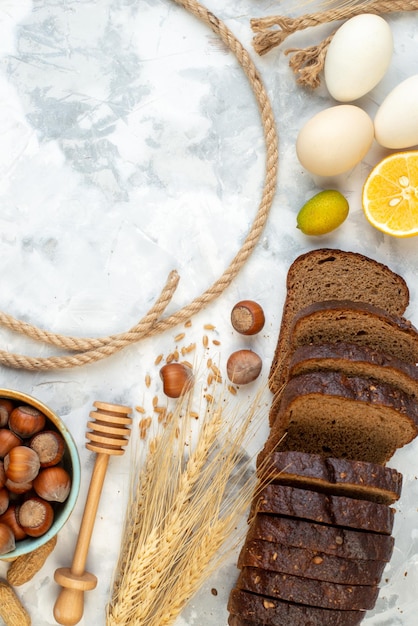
column 272, row 612
column 310, row 564
column 355, row 479
column 342, row 542
column 330, row 321
column 328, row 595
column 326, row 274
column 324, row 509
column 355, row 360
column 334, row 415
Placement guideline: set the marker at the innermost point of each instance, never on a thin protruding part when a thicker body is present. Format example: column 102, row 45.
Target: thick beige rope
column 272, row 31
column 89, row 350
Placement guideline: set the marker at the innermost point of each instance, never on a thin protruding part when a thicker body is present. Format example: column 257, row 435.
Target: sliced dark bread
column 302, row 590
column 355, row 360
column 309, row 563
column 334, row 415
column 272, row 612
column 324, row 508
column 326, row 274
column 355, row 479
column 343, row 542
column 331, row 321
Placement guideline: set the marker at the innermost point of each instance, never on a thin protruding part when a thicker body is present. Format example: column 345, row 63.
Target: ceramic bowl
column 71, row 462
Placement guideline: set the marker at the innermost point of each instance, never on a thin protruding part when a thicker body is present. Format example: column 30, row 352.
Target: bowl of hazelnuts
column 39, row 474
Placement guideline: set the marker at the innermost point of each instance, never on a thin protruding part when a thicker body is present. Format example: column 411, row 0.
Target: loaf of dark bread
column 355, row 360
column 326, row 274
column 272, row 612
column 359, row 323
column 302, row 590
column 334, row 415
column 324, row 509
column 345, row 381
column 356, row 479
column 343, row 542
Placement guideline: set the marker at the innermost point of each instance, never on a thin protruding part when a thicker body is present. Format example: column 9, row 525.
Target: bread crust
column 325, row 509
column 273, row 612
column 357, row 479
column 339, row 541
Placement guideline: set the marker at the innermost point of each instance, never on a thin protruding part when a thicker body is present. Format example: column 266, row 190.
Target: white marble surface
column 131, row 145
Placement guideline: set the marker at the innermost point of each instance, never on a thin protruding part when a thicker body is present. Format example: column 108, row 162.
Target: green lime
column 323, row 213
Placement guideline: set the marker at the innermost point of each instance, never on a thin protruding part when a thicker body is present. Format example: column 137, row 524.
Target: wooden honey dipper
column 108, row 435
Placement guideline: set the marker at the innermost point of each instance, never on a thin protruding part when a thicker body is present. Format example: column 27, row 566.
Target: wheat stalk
column 181, row 514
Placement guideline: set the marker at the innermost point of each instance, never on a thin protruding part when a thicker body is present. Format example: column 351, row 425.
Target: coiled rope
column 88, row 350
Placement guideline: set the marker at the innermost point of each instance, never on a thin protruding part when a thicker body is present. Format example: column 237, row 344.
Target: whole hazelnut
column 4, row 500
column 53, row 484
column 177, row 379
column 8, row 440
column 7, row 539
column 6, row 407
column 247, row 317
column 21, row 464
column 35, row 516
column 10, row 519
column 26, row 420
column 243, row 367
column 49, row 446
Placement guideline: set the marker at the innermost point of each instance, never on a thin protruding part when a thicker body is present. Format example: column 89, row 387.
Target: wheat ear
column 190, row 510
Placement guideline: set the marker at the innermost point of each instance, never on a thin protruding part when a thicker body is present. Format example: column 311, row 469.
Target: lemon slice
column 390, row 195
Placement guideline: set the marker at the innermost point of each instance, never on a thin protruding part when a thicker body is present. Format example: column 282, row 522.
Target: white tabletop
column 131, row 145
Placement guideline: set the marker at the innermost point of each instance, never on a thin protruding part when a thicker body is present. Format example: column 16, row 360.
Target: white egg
column 358, row 57
column 396, row 120
column 334, row 140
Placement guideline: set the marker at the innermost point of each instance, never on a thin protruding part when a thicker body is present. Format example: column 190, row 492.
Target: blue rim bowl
column 71, row 462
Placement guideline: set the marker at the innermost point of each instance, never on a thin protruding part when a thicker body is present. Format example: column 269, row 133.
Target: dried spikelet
column 217, row 373
column 194, row 487
column 144, row 426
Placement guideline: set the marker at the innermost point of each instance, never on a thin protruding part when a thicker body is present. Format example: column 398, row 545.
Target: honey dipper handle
column 69, row 606
column 89, row 515
column 107, row 436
